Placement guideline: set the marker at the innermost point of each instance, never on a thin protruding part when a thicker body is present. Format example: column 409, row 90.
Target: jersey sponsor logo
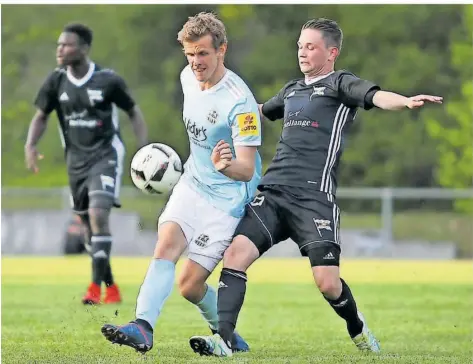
column 196, row 133
column 79, row 119
column 301, row 123
column 95, row 96
column 247, row 124
column 84, row 123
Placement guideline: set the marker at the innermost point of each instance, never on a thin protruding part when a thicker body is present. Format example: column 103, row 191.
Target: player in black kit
column 85, row 97
column 297, row 198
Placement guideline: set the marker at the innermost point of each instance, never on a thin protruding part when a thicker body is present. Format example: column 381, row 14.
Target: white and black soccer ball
column 156, row 168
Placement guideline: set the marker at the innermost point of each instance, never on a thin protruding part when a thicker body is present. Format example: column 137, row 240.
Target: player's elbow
column 134, row 113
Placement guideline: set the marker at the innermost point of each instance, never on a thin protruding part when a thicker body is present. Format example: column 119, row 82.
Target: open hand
column 415, row 102
column 221, row 155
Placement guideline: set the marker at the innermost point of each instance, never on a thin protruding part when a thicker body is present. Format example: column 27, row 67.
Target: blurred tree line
column 410, row 49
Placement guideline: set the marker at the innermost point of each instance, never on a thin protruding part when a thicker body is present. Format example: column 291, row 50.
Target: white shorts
column 208, row 230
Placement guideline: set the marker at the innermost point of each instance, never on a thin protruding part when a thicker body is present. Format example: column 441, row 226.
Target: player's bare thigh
column 171, row 242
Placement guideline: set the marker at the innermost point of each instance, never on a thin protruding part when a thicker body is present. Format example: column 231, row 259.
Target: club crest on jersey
column 212, row 117
column 248, row 124
column 95, row 96
column 318, row 91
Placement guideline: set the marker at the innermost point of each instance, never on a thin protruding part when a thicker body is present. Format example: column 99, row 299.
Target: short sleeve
column 120, row 94
column 352, row 90
column 246, row 123
column 46, row 99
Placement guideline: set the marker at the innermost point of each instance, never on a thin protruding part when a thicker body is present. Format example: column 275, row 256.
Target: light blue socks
column 155, row 290
column 208, row 308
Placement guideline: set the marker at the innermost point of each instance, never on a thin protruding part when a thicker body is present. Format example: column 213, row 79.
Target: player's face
column 69, row 50
column 313, row 53
column 203, row 57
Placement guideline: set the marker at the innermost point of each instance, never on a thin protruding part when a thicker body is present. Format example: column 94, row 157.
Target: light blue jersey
column 227, row 111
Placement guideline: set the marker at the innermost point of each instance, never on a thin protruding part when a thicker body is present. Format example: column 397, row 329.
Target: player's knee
column 327, row 280
column 171, row 242
column 240, row 254
column 327, row 286
column 99, row 220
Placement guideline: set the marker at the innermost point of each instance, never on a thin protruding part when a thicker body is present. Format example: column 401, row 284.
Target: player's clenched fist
column 221, row 155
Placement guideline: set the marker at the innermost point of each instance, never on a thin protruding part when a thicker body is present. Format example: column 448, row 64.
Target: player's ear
column 334, row 52
column 222, row 50
column 84, row 49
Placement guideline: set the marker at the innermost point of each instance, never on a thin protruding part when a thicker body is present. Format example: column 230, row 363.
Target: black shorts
column 98, row 186
column 310, row 218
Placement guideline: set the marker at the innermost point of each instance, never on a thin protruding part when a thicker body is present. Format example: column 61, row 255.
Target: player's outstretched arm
column 36, row 130
column 139, row 126
column 240, row 168
column 391, row 101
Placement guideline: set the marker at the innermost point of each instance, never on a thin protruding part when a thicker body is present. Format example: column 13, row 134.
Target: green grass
column 420, row 311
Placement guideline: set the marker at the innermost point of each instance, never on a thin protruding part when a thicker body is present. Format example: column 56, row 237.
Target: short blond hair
column 201, row 25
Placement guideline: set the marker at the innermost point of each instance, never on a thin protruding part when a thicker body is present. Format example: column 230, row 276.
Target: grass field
column 420, row 311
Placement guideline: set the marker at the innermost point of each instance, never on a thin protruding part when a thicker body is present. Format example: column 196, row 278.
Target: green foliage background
column 410, row 49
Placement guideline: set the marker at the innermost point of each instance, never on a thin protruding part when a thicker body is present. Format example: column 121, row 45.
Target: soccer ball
column 156, row 168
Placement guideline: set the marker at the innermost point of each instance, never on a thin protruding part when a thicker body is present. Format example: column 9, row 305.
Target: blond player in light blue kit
column 220, row 177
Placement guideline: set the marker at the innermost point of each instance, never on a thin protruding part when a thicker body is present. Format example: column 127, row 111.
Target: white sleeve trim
column 247, row 144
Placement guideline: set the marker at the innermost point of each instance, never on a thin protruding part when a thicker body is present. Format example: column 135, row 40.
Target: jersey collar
column 314, row 80
column 81, row 81
column 218, row 84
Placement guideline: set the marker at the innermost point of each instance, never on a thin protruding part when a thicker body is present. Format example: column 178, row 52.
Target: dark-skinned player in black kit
column 85, row 98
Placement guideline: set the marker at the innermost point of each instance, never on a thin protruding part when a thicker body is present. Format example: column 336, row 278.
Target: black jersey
column 87, row 113
column 316, row 117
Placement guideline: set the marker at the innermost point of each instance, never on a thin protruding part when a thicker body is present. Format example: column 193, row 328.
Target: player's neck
column 79, row 70
column 216, row 77
column 319, row 73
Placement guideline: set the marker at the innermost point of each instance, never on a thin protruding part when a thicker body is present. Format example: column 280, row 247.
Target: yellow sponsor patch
column 248, row 124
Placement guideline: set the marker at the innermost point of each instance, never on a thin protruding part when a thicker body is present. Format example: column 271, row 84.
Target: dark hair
column 331, row 32
column 84, row 33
